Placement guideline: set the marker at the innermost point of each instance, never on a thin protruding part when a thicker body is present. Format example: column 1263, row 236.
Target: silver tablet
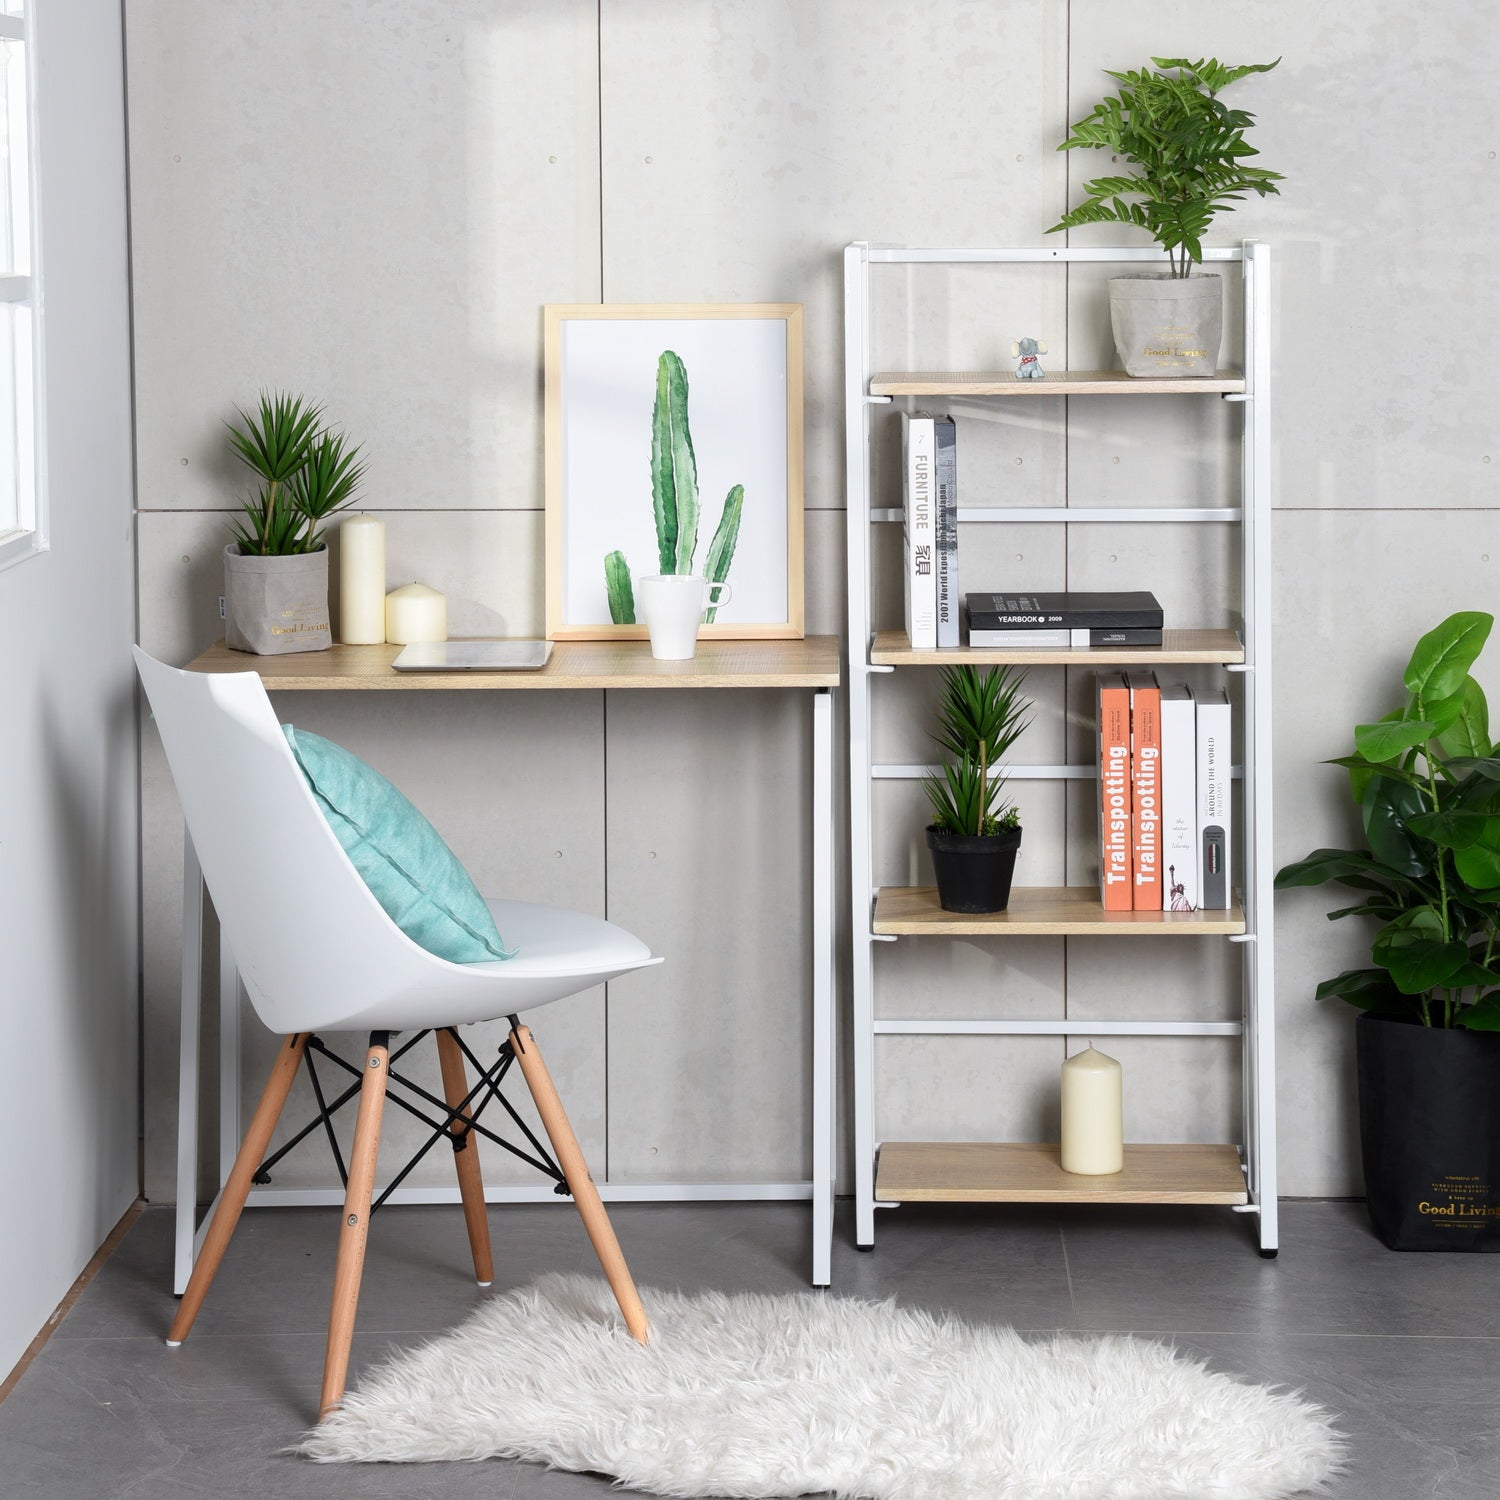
column 474, row 656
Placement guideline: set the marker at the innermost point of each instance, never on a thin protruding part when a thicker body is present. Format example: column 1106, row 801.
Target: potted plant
column 1188, row 152
column 975, row 834
column 1426, row 778
column 276, row 569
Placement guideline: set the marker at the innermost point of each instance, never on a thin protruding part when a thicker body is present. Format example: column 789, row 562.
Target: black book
column 1128, row 611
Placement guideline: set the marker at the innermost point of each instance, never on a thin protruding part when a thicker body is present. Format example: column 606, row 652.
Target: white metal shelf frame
column 1257, row 1028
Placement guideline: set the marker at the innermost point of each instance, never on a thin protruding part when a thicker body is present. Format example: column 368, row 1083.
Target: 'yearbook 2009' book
column 1139, row 610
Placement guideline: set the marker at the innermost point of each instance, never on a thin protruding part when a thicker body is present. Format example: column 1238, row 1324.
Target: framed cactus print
column 674, row 445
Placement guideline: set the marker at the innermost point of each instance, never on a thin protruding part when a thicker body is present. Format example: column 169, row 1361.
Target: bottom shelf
column 1031, row 1172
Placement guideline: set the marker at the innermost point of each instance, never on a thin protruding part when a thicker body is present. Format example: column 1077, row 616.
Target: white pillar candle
column 415, row 614
column 362, row 581
column 1093, row 1126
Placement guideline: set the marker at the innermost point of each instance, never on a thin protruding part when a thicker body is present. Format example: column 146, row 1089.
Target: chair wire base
column 456, row 1123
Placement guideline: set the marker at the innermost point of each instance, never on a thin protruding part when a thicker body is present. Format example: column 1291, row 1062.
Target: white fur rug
column 769, row 1396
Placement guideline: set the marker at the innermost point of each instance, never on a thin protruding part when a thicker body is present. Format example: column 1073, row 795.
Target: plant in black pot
column 975, row 833
column 276, row 569
column 1426, row 778
column 1186, row 151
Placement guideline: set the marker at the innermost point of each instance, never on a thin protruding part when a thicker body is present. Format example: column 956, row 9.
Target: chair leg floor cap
column 174, row 1343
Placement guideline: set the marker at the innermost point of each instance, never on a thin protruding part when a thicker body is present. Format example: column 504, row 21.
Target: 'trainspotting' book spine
column 1114, row 791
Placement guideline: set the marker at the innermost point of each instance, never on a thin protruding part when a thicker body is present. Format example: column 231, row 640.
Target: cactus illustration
column 721, row 549
column 621, row 594
column 674, row 498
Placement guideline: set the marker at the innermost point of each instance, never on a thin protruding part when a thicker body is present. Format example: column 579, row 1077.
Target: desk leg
column 229, row 1059
column 825, row 1021
column 187, row 1063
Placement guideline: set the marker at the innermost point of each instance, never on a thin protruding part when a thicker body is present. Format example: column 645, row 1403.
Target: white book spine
column 1179, row 799
column 920, row 529
column 1215, row 854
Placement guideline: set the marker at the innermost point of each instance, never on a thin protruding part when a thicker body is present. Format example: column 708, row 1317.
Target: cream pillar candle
column 1093, row 1128
column 362, row 581
column 415, row 614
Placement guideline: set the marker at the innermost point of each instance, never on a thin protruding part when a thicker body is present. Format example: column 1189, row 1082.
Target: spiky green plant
column 1187, row 147
column 674, row 499
column 306, row 471
column 980, row 716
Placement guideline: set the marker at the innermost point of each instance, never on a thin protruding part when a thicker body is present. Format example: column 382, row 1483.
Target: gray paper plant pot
column 275, row 605
column 1167, row 325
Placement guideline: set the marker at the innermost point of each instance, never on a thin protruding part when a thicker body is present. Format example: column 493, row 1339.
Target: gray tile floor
column 1407, row 1347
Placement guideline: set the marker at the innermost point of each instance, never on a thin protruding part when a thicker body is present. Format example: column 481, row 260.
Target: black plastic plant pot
column 1429, row 1125
column 973, row 872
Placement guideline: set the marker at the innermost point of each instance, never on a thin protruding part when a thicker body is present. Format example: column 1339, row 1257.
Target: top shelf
column 1054, row 383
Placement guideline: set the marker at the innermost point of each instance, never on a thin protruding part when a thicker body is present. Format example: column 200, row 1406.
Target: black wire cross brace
column 487, row 1085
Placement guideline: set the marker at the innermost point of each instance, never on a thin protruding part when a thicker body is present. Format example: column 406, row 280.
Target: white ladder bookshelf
column 1242, row 1176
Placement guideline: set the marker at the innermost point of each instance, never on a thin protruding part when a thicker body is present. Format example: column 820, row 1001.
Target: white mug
column 672, row 605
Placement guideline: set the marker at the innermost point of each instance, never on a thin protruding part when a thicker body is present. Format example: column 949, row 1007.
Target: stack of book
column 929, row 466
column 1032, row 622
column 1164, row 795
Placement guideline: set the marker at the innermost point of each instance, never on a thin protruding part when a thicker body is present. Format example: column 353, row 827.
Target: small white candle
column 1093, row 1125
column 362, row 581
column 415, row 614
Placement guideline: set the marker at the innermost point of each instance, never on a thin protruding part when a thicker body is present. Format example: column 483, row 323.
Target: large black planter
column 1429, row 1125
column 973, row 872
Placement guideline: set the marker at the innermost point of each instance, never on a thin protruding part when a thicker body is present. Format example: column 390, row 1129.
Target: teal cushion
column 410, row 871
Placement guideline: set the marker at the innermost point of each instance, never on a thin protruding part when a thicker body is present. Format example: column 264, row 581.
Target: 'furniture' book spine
column 1179, row 799
column 945, row 434
column 919, row 529
column 1214, row 805
column 1145, row 791
column 1114, row 791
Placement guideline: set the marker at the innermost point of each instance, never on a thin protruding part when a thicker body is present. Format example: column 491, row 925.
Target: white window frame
column 30, row 536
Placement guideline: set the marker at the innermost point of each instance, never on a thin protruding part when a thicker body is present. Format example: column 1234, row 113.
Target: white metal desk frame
column 824, row 1067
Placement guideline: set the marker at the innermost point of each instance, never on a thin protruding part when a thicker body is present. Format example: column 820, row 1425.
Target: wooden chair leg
column 355, row 1229
column 232, row 1199
column 466, row 1159
column 585, row 1195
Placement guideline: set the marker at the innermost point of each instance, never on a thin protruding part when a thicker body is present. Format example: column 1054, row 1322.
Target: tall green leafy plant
column 1187, row 149
column 674, row 499
column 1426, row 779
column 307, row 472
column 980, row 716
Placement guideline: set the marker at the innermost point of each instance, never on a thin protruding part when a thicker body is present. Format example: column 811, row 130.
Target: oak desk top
column 809, row 663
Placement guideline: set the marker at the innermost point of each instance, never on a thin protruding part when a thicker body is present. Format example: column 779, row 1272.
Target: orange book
column 1115, row 863
column 1145, row 789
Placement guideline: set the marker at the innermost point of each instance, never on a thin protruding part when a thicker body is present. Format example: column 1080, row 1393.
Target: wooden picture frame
column 739, row 367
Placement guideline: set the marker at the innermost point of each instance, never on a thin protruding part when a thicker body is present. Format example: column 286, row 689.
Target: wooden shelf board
column 812, row 662
column 1031, row 1172
column 1054, row 383
column 892, row 648
column 1042, row 911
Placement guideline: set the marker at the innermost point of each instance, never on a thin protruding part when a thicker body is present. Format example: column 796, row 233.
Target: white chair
column 317, row 953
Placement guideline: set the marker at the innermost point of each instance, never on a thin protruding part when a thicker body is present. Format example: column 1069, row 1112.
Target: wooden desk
column 811, row 665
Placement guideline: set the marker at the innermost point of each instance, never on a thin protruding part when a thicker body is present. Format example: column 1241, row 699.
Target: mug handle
column 719, row 603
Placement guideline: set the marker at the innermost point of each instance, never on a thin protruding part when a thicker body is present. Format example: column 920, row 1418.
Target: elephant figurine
column 1025, row 352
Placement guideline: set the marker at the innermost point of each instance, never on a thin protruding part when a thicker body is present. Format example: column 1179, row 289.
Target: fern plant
column 1187, row 148
column 674, row 499
column 306, row 472
column 980, row 716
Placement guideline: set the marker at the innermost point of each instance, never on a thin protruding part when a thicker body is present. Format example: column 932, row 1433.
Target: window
column 21, row 519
